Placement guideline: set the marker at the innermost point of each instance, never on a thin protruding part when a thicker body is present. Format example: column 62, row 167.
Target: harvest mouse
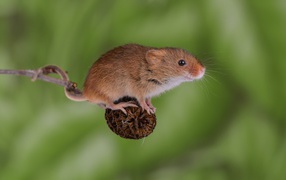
column 137, row 71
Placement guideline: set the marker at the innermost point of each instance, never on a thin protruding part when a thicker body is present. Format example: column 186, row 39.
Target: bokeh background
column 230, row 125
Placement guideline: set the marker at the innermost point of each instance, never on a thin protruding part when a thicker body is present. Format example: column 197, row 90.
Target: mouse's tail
column 73, row 93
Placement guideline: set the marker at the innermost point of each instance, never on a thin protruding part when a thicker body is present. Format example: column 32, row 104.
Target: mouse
column 137, row 71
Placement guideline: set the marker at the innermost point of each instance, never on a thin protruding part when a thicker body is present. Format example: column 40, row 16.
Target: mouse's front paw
column 149, row 108
column 153, row 109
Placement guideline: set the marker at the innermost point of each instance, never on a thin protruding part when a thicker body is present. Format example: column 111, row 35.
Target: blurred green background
column 230, row 125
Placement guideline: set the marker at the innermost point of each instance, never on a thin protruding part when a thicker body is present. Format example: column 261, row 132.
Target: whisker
column 205, row 88
column 214, row 79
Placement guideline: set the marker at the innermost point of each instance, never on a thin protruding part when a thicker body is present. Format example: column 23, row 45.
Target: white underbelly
column 165, row 87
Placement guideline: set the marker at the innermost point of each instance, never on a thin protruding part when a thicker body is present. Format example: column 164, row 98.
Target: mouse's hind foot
column 121, row 106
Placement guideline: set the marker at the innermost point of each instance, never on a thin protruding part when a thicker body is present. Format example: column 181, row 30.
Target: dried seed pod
column 135, row 125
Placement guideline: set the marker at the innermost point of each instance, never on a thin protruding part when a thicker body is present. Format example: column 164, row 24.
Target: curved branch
column 42, row 74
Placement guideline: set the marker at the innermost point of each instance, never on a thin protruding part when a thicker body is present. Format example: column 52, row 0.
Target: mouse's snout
column 197, row 70
column 201, row 72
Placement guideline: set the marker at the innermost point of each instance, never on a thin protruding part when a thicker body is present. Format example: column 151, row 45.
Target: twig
column 42, row 74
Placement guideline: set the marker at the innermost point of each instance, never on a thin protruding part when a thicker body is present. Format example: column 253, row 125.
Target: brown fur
column 137, row 71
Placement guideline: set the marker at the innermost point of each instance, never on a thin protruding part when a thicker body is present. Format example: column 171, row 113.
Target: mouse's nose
column 201, row 73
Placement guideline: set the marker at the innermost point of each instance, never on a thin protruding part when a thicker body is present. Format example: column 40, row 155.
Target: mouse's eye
column 182, row 62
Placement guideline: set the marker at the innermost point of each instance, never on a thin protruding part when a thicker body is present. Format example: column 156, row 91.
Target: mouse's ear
column 154, row 56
